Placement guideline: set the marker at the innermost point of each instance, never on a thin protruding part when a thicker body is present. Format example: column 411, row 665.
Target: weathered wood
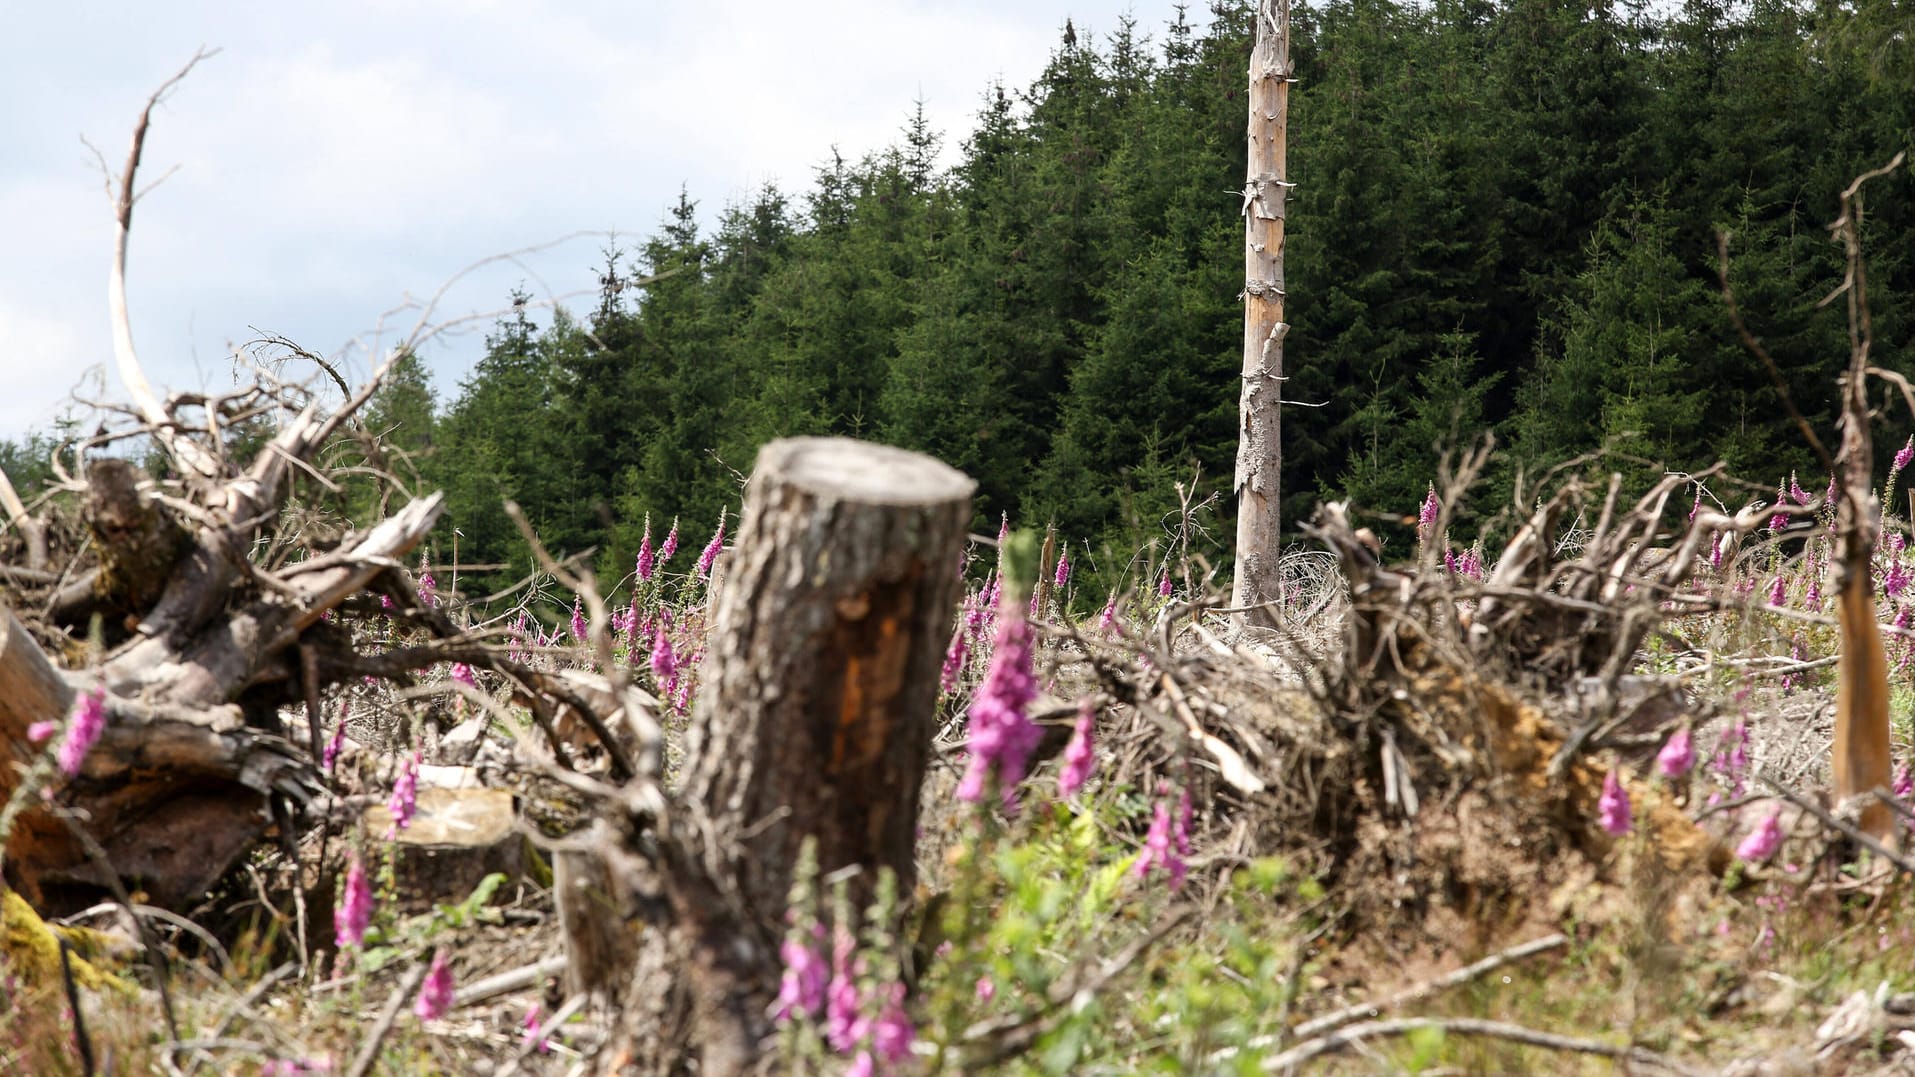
column 818, row 707
column 1862, row 752
column 177, row 787
column 816, row 714
column 1259, row 451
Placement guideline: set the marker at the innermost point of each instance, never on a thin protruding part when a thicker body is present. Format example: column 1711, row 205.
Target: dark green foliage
column 1505, row 221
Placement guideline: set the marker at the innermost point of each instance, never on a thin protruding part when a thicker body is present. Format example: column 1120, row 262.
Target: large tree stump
column 817, row 713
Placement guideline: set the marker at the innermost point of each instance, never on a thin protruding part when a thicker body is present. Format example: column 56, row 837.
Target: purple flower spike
column 1063, row 575
column 1159, row 846
column 647, row 562
column 338, row 741
column 1107, row 620
column 83, row 729
column 1612, row 808
column 1677, row 756
column 1001, row 733
column 1079, row 755
column 1779, row 594
column 349, row 920
column 578, row 620
column 1426, row 515
column 954, row 659
column 405, row 797
column 435, row 995
column 1903, row 455
column 892, row 1032
column 670, row 547
column 1764, row 840
column 711, row 552
column 801, row 989
column 844, row 1026
column 428, row 587
column 1163, row 583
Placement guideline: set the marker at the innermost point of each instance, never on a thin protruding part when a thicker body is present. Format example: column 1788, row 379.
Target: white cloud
column 334, row 159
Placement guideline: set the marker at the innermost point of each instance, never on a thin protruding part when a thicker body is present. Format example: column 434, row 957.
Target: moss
column 32, row 947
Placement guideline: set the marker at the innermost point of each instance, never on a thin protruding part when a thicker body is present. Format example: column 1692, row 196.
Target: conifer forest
column 827, row 648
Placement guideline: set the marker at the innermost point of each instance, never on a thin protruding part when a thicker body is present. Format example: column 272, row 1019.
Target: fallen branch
column 1352, row 1035
column 369, row 1054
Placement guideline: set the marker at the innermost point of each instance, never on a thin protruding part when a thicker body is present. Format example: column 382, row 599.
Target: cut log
column 815, row 719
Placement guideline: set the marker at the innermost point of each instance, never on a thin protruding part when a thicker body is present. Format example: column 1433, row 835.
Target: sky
column 335, row 162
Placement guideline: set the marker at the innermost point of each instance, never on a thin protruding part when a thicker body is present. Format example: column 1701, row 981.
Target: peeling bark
column 1259, row 448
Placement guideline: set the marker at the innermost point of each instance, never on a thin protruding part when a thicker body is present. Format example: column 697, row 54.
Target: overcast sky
column 334, row 160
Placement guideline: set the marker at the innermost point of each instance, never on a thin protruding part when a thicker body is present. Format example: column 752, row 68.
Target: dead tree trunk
column 1862, row 749
column 1259, row 451
column 817, row 712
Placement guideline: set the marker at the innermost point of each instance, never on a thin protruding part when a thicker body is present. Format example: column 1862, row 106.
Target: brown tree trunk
column 1862, row 758
column 1259, row 451
column 816, row 716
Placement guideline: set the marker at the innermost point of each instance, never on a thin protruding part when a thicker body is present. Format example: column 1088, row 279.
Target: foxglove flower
column 862, row 1066
column 1697, row 507
column 1001, row 733
column 83, row 729
column 954, row 656
column 1003, row 529
column 1612, row 808
column 1764, row 840
column 338, row 741
column 1107, row 620
column 1903, row 455
column 428, row 587
column 1079, row 755
column 1163, row 583
column 41, row 731
column 647, row 562
column 986, row 990
column 844, row 1025
column 1426, row 515
column 1158, row 846
column 670, row 545
column 801, row 988
column 892, row 1032
column 712, row 549
column 435, row 994
column 354, row 913
column 405, row 797
column 462, row 674
column 1063, row 575
column 1779, row 594
column 1796, row 493
column 578, row 620
column 533, row 1026
column 1678, row 755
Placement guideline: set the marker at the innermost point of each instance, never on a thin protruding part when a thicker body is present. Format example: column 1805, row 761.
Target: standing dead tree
column 1259, row 450
column 1862, row 752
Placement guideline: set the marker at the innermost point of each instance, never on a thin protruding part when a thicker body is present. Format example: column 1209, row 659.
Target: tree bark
column 1862, row 752
column 1259, row 450
column 817, row 712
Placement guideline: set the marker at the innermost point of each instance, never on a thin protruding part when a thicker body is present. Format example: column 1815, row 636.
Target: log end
column 850, row 470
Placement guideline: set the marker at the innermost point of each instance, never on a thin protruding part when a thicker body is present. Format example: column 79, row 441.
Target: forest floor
column 1306, row 927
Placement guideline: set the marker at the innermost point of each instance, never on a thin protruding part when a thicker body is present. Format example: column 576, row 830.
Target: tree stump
column 816, row 715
